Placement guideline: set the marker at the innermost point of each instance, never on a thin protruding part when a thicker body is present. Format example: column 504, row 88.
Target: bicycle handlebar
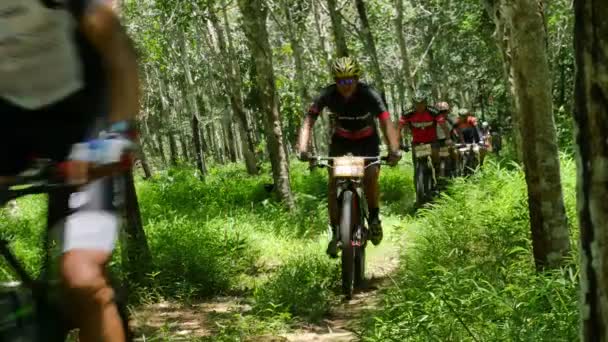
column 51, row 176
column 318, row 161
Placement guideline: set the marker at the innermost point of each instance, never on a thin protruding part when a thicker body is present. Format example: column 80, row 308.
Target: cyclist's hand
column 111, row 147
column 394, row 157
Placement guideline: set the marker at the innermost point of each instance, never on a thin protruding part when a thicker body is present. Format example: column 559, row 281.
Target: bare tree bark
column 370, row 46
column 406, row 71
column 503, row 37
column 533, row 98
column 137, row 251
column 198, row 150
column 232, row 82
column 591, row 120
column 337, row 29
column 190, row 95
column 254, row 17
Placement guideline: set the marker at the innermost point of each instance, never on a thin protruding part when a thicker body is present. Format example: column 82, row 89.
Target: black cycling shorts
column 87, row 218
column 366, row 147
column 48, row 132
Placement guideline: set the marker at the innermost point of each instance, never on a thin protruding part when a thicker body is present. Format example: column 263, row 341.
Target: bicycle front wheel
column 348, row 251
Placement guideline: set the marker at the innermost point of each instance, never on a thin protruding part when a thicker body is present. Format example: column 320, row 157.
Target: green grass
column 467, row 268
column 469, row 273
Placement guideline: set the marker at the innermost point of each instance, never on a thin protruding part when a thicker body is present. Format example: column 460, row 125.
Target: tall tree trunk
column 533, row 98
column 254, row 17
column 294, row 41
column 161, row 148
column 591, row 120
column 190, row 95
column 198, row 150
column 321, row 33
column 138, row 256
column 232, row 82
column 370, row 46
column 173, row 149
column 503, row 36
column 406, row 71
column 229, row 139
column 144, row 164
column 184, row 146
column 337, row 29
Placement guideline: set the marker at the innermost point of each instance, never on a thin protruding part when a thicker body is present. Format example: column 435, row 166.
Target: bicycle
column 468, row 158
column 348, row 171
column 30, row 310
column 424, row 172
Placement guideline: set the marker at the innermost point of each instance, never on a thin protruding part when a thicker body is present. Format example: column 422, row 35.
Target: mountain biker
column 444, row 130
column 355, row 106
column 423, row 121
column 69, row 90
column 468, row 130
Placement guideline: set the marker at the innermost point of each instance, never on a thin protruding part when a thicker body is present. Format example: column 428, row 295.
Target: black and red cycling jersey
column 422, row 124
column 354, row 116
column 468, row 129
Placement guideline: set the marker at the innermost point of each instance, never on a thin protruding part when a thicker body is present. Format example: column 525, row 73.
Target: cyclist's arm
column 310, row 118
column 378, row 108
column 103, row 29
column 443, row 124
column 403, row 128
column 390, row 133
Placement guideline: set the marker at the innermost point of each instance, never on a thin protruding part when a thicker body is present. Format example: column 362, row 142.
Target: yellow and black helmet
column 345, row 67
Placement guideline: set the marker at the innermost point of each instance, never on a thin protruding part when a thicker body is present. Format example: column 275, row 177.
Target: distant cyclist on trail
column 356, row 107
column 69, row 90
column 423, row 122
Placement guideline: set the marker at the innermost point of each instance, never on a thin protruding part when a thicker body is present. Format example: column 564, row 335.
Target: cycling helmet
column 345, row 67
column 420, row 96
column 485, row 124
column 442, row 106
column 463, row 112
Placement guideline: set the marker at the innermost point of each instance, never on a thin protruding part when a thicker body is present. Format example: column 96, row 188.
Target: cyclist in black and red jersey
column 424, row 121
column 356, row 107
column 69, row 91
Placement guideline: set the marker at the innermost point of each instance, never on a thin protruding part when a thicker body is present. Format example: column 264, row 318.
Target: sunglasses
column 345, row 81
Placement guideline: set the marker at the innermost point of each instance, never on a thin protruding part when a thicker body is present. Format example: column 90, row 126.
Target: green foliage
column 303, row 286
column 24, row 228
column 470, row 271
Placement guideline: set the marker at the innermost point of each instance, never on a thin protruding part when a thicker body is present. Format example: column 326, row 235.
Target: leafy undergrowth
column 227, row 234
column 469, row 274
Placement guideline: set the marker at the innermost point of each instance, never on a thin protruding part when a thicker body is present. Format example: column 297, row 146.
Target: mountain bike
column 468, row 158
column 32, row 310
column 348, row 172
column 424, row 173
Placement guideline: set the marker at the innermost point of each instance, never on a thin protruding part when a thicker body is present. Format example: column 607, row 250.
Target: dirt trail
column 382, row 261
column 167, row 321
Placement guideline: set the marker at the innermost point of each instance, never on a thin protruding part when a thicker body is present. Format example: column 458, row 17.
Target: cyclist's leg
column 87, row 225
column 372, row 189
column 332, row 204
column 336, row 148
column 87, row 236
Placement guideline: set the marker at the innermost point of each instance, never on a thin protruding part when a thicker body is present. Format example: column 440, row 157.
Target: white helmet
column 485, row 124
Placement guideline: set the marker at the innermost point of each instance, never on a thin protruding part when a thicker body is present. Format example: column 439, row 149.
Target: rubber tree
column 255, row 14
column 591, row 136
column 531, row 90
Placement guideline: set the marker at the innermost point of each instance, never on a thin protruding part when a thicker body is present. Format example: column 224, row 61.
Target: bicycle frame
column 50, row 324
column 349, row 173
